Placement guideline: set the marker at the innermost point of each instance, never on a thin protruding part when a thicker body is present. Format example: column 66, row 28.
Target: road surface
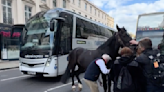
column 13, row 81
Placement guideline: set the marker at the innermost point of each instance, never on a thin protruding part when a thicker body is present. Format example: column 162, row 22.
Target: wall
column 18, row 10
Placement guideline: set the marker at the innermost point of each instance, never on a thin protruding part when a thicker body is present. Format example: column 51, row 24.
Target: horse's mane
column 109, row 41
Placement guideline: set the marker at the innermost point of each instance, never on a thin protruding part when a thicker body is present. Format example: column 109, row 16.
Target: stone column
column 37, row 2
column 19, row 11
column 50, row 4
column 68, row 4
column 1, row 11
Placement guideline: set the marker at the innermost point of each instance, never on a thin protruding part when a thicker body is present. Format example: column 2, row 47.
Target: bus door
column 65, row 42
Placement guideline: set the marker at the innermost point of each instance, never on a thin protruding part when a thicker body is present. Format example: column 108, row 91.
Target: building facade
column 18, row 11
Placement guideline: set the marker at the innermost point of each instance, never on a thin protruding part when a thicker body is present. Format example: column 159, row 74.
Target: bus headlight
column 48, row 62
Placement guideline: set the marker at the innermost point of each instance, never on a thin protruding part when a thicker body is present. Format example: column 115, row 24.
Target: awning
column 5, row 27
column 5, row 30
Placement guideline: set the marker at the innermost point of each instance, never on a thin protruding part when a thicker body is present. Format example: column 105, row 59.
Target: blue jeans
column 153, row 88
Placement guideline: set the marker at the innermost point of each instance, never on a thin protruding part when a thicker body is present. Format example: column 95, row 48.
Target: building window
column 79, row 3
column 85, row 6
column 80, row 13
column 90, row 17
column 7, row 11
column 85, row 15
column 73, row 1
column 90, row 9
column 28, row 12
column 95, row 11
column 54, row 3
column 64, row 3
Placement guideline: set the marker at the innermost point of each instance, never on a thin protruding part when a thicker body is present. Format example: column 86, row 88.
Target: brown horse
column 82, row 57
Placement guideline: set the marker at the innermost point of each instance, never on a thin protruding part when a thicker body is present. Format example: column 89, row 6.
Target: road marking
column 8, row 70
column 60, row 86
column 14, row 78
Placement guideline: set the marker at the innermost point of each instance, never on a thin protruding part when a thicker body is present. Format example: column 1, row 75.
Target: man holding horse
column 93, row 71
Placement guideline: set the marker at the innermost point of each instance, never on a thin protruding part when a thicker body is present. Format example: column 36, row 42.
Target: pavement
column 6, row 64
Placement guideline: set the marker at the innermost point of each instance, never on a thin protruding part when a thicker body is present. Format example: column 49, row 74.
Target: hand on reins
column 133, row 42
column 101, row 84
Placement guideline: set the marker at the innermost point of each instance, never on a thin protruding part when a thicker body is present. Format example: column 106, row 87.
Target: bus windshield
column 152, row 26
column 37, row 34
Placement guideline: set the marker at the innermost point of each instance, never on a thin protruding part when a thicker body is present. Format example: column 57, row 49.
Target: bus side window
column 102, row 31
column 82, row 30
column 97, row 30
column 108, row 33
column 78, row 32
column 94, row 29
column 88, row 30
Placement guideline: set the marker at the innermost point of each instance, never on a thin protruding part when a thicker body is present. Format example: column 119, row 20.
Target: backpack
column 125, row 81
column 157, row 69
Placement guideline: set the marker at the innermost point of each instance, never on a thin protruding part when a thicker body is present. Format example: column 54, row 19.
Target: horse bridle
column 119, row 39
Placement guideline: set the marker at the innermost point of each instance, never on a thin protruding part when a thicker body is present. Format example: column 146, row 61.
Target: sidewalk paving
column 9, row 64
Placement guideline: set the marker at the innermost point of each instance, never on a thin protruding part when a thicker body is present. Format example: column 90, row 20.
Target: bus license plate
column 32, row 73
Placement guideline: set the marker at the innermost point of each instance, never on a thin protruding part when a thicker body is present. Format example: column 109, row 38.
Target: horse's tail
column 66, row 75
column 70, row 65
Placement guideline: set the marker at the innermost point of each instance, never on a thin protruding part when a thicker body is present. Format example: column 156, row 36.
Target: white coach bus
column 44, row 52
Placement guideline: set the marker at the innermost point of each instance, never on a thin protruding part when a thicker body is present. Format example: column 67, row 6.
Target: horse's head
column 112, row 45
column 123, row 37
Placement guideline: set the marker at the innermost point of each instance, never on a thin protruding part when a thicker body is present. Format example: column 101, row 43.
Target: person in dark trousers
column 144, row 48
column 93, row 71
column 127, row 59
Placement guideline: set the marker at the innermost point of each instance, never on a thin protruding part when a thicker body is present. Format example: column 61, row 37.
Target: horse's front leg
column 73, row 83
column 78, row 72
column 104, row 82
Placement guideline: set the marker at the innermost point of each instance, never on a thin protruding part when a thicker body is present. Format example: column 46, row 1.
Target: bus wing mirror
column 53, row 23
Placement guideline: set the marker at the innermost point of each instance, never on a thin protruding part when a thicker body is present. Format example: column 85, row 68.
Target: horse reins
column 119, row 39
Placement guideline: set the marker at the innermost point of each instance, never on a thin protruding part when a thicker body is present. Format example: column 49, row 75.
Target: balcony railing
column 8, row 20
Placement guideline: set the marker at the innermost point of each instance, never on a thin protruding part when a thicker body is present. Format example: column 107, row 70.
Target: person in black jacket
column 133, row 68
column 144, row 49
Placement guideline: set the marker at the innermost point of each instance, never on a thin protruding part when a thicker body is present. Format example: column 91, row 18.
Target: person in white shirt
column 93, row 71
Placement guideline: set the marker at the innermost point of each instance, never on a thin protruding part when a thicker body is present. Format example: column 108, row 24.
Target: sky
column 125, row 12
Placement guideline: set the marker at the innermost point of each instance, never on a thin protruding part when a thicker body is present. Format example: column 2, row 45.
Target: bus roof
column 144, row 14
column 78, row 15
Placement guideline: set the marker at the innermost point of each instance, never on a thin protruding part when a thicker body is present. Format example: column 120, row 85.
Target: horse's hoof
column 73, row 88
column 80, row 86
